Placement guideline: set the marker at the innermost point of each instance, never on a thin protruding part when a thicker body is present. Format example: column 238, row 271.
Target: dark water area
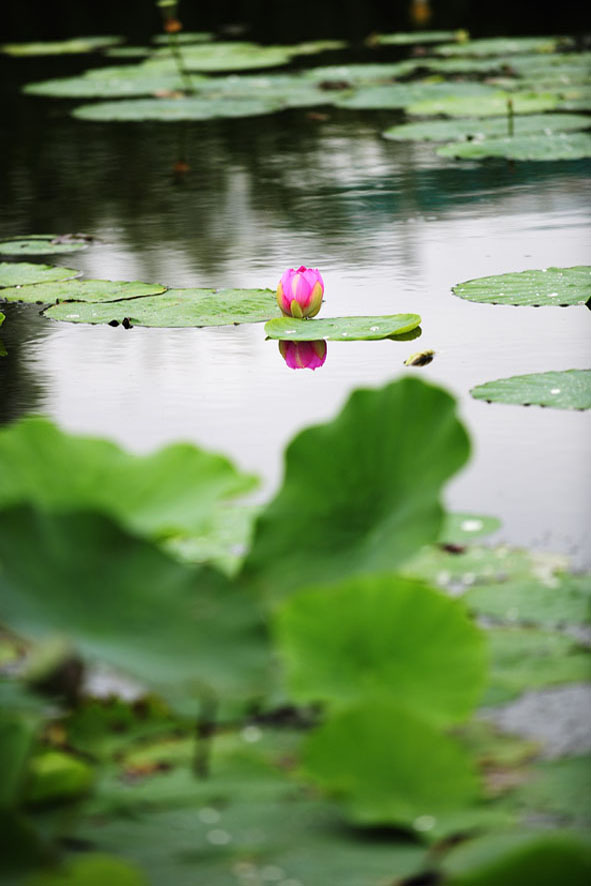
column 391, row 226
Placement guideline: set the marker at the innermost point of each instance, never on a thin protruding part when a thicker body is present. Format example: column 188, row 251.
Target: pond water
column 391, row 227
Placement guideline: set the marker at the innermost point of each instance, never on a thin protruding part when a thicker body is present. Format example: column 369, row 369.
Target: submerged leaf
column 569, row 389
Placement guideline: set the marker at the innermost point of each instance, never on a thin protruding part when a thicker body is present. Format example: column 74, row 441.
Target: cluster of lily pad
column 155, row 89
column 563, row 287
column 133, row 303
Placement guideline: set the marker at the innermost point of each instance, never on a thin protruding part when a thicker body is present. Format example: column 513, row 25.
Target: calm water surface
column 391, row 226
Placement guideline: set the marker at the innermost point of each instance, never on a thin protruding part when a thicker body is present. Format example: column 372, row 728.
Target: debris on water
column 420, row 358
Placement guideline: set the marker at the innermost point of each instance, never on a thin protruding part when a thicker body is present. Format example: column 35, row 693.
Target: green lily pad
column 527, row 658
column 2, row 319
column 231, row 56
column 408, row 39
column 312, row 47
column 546, row 65
column 550, row 286
column 360, row 74
column 169, row 492
column 479, row 128
column 558, row 789
column 543, row 858
column 341, row 328
column 367, row 511
column 120, row 82
column 368, row 635
column 55, row 775
column 461, row 528
column 75, row 46
column 505, row 46
column 492, row 104
column 563, row 600
column 176, row 307
column 82, row 291
column 224, row 541
column 403, row 95
column 540, row 146
column 203, row 635
column 22, row 273
column 174, row 109
column 127, row 52
column 569, row 389
column 43, row 244
column 364, row 756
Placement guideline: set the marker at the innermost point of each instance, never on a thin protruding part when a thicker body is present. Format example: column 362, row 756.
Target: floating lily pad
column 120, row 82
column 551, row 286
column 540, row 146
column 545, row 65
column 82, row 291
column 360, row 74
column 74, row 46
column 43, row 244
column 402, row 95
column 177, row 307
column 2, row 319
column 575, row 104
column 527, row 658
column 408, row 39
column 312, row 47
column 492, row 104
column 465, row 65
column 570, row 389
column 25, row 273
column 461, row 528
column 127, row 52
column 505, row 46
column 471, row 129
column 231, row 56
column 562, row 600
column 182, row 108
column 280, row 90
column 341, row 328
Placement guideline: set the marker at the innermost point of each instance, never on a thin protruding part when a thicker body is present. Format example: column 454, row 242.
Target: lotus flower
column 303, row 354
column 299, row 293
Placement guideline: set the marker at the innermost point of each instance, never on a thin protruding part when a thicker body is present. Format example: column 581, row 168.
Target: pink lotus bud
column 299, row 293
column 303, row 354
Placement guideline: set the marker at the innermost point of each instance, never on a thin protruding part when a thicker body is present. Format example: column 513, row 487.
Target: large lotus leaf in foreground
column 186, row 631
column 387, row 636
column 361, row 493
column 169, row 491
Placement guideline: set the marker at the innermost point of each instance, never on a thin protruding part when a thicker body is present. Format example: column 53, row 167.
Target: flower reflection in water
column 303, row 354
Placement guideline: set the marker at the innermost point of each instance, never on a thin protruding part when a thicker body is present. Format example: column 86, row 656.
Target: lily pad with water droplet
column 539, row 146
column 403, row 95
column 174, row 109
column 505, row 46
column 82, row 291
column 175, row 308
column 569, row 389
column 551, row 286
column 461, row 528
column 43, row 244
column 562, row 599
column 341, row 328
column 475, row 128
column 492, row 104
column 22, row 274
column 75, row 46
